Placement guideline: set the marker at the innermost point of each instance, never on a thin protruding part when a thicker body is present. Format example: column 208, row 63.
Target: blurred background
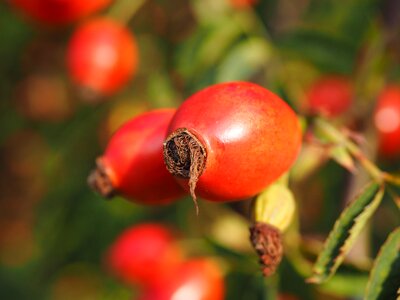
column 54, row 231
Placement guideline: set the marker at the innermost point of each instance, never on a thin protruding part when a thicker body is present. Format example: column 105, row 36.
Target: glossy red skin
column 196, row 279
column 330, row 96
column 389, row 138
column 59, row 12
column 143, row 253
column 102, row 56
column 134, row 160
column 251, row 138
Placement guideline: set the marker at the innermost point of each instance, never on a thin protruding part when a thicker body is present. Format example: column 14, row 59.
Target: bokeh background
column 54, row 230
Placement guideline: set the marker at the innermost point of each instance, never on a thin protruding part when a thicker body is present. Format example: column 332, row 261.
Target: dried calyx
column 267, row 241
column 100, row 182
column 185, row 157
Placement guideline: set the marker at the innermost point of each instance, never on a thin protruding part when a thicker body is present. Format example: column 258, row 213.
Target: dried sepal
column 267, row 242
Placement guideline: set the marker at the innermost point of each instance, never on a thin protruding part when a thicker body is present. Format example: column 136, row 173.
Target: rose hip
column 132, row 164
column 102, row 56
column 58, row 12
column 143, row 253
column 387, row 122
column 231, row 140
column 330, row 96
column 196, row 279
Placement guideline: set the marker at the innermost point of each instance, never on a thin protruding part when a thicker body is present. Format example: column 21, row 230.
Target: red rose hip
column 143, row 253
column 387, row 122
column 132, row 164
column 102, row 56
column 330, row 96
column 59, row 12
column 243, row 3
column 196, row 279
column 231, row 140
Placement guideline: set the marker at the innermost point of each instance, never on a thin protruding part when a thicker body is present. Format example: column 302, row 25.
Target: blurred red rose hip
column 330, row 96
column 144, row 253
column 102, row 56
column 196, row 279
column 243, row 3
column 59, row 12
column 387, row 122
column 132, row 164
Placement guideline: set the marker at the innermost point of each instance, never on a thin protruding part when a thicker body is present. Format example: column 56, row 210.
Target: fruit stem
column 337, row 137
column 391, row 178
column 99, row 180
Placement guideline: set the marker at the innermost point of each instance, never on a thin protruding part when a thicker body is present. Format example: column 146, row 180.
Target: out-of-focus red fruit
column 387, row 122
column 143, row 254
column 243, row 3
column 196, row 279
column 132, row 164
column 102, row 56
column 287, row 297
column 330, row 96
column 44, row 97
column 18, row 245
column 58, row 12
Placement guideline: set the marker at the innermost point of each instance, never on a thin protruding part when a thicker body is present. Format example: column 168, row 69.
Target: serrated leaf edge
column 391, row 236
column 319, row 275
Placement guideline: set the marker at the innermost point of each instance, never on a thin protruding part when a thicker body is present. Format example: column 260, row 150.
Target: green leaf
column 244, row 60
column 341, row 155
column 346, row 285
column 206, row 47
column 329, row 53
column 384, row 281
column 345, row 232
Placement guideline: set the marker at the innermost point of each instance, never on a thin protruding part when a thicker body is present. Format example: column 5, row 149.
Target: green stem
column 124, row 10
column 391, row 179
column 394, row 196
column 337, row 137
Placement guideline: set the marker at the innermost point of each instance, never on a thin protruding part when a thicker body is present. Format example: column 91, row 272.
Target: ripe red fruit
column 197, row 279
column 243, row 3
column 144, row 253
column 387, row 121
column 330, row 96
column 231, row 140
column 58, row 12
column 102, row 56
column 132, row 164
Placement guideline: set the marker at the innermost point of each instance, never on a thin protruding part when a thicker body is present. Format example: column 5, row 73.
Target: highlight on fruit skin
column 102, row 56
column 132, row 164
column 387, row 122
column 197, row 278
column 56, row 12
column 231, row 140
